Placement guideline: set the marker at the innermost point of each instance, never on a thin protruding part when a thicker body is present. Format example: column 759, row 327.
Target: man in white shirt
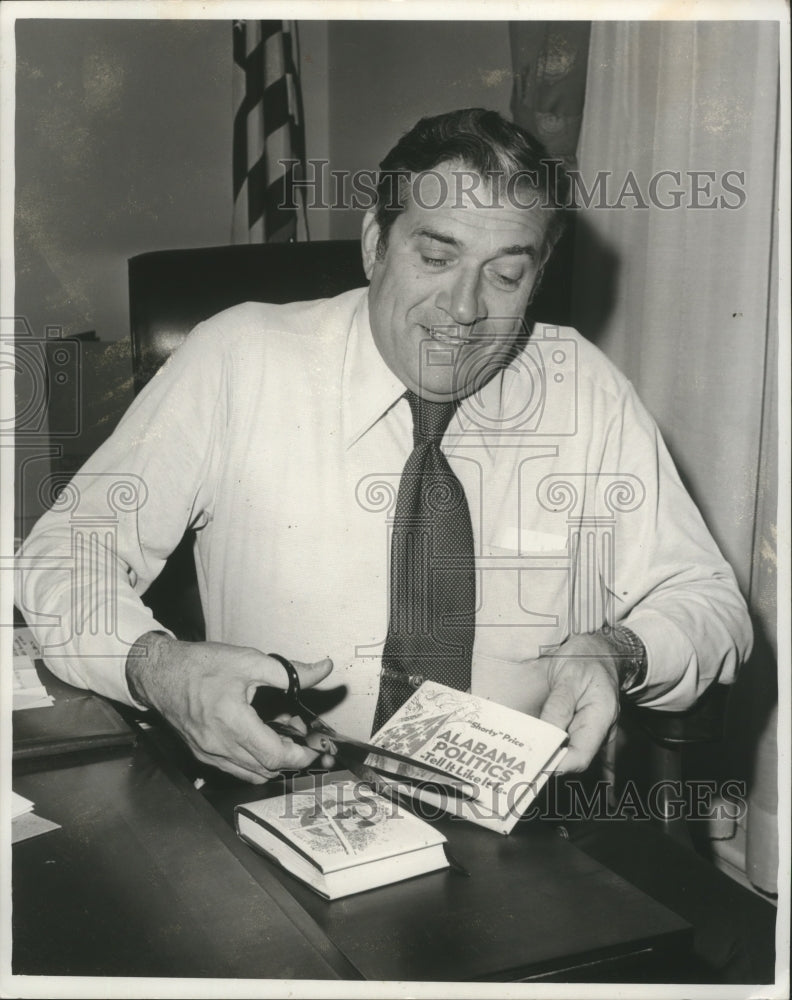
column 279, row 433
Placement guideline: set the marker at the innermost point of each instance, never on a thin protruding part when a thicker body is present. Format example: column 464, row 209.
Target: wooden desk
column 147, row 878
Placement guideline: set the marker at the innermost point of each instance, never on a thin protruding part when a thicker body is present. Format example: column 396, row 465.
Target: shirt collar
column 370, row 388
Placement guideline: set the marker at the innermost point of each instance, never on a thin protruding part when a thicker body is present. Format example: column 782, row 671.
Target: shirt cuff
column 98, row 662
column 672, row 672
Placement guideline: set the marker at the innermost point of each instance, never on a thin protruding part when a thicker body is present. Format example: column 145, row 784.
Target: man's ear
column 370, row 238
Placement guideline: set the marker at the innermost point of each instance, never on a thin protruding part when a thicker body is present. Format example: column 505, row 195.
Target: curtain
column 673, row 280
column 761, row 849
column 549, row 60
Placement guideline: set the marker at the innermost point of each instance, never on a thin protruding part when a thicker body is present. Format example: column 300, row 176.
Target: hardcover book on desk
column 339, row 837
column 534, row 907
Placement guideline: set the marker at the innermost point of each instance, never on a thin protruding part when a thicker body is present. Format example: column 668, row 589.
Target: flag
column 268, row 132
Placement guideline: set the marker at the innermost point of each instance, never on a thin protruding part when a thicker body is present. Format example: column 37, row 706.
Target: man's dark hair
column 482, row 142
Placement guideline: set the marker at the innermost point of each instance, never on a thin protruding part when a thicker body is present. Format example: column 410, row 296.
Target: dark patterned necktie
column 432, row 573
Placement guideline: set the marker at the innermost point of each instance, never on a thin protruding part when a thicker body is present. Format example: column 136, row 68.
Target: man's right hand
column 204, row 690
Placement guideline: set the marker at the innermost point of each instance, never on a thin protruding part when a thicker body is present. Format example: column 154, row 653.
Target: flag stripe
column 276, row 106
column 267, row 130
column 254, row 77
column 273, row 63
column 273, row 201
column 277, row 219
column 277, row 151
column 269, row 28
column 240, row 48
column 240, row 151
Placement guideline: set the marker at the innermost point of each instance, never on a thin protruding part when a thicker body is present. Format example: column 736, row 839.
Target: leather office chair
column 172, row 290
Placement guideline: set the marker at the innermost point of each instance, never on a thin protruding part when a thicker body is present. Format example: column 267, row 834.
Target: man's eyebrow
column 432, row 234
column 515, row 250
column 528, row 250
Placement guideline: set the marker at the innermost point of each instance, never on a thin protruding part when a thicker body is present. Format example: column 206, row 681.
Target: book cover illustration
column 335, row 822
column 498, row 753
column 341, row 824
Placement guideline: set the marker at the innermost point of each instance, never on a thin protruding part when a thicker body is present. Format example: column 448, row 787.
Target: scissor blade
column 352, row 754
column 368, row 775
column 466, row 789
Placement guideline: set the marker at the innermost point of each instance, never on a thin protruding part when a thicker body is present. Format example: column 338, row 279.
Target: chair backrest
column 172, row 290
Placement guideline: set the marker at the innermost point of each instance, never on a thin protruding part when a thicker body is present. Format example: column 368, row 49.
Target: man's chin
column 439, row 393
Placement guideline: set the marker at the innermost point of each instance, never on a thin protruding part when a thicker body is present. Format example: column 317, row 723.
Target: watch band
column 137, row 650
column 631, row 653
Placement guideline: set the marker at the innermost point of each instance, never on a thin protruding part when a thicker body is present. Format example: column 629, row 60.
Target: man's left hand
column 583, row 699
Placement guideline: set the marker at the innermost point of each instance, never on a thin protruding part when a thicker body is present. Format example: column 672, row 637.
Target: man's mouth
column 454, row 336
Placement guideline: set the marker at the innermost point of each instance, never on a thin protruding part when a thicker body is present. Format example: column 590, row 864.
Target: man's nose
column 462, row 298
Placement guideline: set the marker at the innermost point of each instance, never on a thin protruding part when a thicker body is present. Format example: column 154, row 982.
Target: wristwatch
column 631, row 657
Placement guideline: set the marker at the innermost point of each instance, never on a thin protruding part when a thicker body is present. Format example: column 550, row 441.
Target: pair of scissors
column 351, row 752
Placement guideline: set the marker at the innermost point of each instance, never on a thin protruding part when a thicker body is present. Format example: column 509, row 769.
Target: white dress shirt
column 279, row 434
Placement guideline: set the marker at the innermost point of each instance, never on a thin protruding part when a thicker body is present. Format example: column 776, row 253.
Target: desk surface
column 147, row 878
column 139, row 883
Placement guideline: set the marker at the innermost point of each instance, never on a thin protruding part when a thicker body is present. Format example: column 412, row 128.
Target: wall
column 384, row 75
column 123, row 145
column 313, row 56
column 123, row 139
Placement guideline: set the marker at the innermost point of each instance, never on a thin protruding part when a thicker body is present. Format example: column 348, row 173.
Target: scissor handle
column 311, row 719
column 313, row 740
column 293, row 692
column 293, row 695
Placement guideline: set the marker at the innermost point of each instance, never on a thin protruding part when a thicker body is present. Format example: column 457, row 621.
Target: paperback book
column 497, row 759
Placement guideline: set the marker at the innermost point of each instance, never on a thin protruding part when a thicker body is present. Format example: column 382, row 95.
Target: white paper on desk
column 29, row 692
column 26, row 679
column 23, row 700
column 19, row 805
column 25, row 645
column 30, row 825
